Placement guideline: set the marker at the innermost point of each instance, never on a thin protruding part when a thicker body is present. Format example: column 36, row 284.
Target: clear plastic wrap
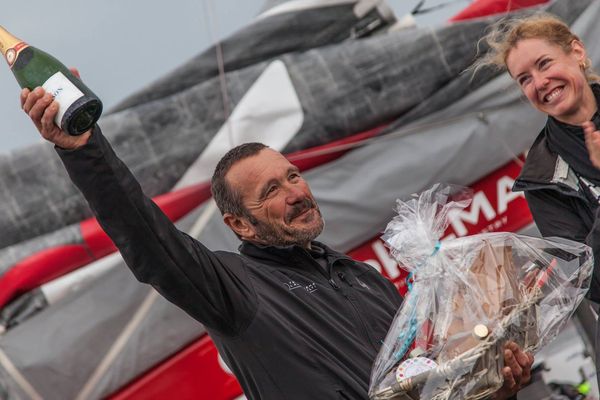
column 467, row 298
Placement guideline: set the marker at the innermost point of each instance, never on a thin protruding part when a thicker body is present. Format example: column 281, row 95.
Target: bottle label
column 64, row 91
column 12, row 53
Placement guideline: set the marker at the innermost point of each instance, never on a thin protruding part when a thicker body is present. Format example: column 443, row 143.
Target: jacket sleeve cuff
column 92, row 142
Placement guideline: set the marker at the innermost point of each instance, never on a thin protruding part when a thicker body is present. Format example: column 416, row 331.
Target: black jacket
column 287, row 327
column 559, row 204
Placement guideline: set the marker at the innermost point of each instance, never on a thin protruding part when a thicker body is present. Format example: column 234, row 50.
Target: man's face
column 284, row 210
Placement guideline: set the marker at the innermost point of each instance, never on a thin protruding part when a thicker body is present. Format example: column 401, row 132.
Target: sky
column 119, row 46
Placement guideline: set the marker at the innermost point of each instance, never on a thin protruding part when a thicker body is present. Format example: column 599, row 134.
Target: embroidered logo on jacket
column 293, row 285
column 311, row 288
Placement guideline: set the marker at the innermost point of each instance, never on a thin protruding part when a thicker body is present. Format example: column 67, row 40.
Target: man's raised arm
column 211, row 287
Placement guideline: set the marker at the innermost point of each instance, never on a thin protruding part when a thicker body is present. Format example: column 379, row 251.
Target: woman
column 560, row 180
column 561, row 176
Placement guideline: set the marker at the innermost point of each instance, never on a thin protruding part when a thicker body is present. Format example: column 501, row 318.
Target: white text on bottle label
column 64, row 91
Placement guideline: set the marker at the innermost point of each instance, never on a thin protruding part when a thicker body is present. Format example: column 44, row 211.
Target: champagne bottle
column 79, row 107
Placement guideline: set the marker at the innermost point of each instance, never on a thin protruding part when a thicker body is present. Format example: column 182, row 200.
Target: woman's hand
column 42, row 109
column 592, row 142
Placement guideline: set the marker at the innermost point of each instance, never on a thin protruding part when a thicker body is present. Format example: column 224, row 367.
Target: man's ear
column 240, row 225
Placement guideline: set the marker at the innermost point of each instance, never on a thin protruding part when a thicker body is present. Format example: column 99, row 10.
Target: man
column 292, row 318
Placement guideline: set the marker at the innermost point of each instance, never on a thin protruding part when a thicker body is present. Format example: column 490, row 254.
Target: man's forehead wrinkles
column 253, row 174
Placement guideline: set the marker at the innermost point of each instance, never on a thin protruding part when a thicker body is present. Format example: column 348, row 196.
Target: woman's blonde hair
column 506, row 34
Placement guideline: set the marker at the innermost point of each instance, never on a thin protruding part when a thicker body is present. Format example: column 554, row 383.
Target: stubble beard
column 279, row 235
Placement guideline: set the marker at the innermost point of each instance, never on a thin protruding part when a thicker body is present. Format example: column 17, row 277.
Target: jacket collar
column 544, row 168
column 282, row 255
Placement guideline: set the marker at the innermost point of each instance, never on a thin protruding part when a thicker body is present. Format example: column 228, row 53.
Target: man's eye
column 271, row 189
column 544, row 62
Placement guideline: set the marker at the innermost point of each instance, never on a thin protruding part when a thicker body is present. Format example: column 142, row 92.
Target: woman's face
column 553, row 80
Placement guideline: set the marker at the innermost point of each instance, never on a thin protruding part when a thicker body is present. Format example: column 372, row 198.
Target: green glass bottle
column 79, row 107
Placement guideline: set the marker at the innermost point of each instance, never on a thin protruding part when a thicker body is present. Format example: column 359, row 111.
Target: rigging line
column 203, row 219
column 418, row 9
column 211, row 23
column 20, row 380
column 118, row 345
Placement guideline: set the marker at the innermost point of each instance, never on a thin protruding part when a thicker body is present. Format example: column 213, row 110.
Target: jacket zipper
column 336, row 287
column 325, row 272
column 343, row 279
column 357, row 314
column 362, row 322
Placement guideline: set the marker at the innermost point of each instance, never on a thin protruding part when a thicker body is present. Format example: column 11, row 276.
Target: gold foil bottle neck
column 7, row 40
column 10, row 46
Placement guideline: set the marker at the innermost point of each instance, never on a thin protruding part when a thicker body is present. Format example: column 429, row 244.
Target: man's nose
column 294, row 194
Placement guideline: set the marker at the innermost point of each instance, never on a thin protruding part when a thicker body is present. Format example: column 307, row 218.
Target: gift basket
column 467, row 297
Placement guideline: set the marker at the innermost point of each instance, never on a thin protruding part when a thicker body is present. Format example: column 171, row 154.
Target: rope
column 118, row 345
column 18, row 377
column 211, row 22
